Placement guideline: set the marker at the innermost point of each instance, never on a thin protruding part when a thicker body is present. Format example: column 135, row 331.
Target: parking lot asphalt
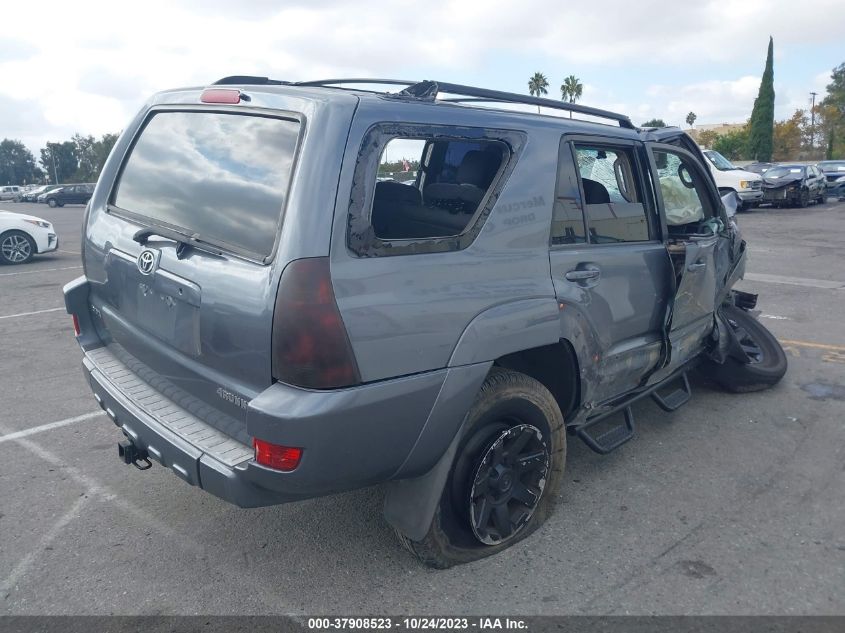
column 735, row 504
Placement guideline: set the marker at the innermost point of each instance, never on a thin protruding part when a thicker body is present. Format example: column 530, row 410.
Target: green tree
column 789, row 137
column 654, row 123
column 691, row 117
column 707, row 138
column 59, row 161
column 831, row 123
column 763, row 115
column 91, row 155
column 538, row 86
column 732, row 145
column 571, row 90
column 17, row 164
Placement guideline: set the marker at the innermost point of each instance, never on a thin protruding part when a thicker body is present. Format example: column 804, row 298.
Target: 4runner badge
column 147, row 261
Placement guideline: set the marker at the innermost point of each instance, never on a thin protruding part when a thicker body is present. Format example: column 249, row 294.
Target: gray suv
column 294, row 289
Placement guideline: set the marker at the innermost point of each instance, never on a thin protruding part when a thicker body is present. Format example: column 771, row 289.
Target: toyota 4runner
column 294, row 289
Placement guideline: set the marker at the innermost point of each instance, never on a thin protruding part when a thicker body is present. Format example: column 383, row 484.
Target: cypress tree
column 763, row 115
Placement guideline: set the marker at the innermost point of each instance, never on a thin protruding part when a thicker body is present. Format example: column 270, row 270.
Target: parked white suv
column 747, row 185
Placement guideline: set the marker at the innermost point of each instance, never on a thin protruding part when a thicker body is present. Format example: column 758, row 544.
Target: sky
column 89, row 66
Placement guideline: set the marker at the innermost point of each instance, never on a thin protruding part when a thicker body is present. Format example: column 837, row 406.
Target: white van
column 747, row 185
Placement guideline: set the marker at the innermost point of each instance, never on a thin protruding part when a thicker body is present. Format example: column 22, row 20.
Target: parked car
column 834, row 173
column 273, row 323
column 759, row 168
column 794, row 185
column 68, row 194
column 11, row 193
column 32, row 194
column 24, row 236
column 747, row 185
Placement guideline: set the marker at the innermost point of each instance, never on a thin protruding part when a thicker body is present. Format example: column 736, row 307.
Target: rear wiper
column 183, row 241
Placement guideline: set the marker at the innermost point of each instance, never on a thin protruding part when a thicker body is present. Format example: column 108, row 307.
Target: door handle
column 583, row 275
column 696, row 266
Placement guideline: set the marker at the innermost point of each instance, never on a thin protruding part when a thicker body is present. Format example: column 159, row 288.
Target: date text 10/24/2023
column 418, row 624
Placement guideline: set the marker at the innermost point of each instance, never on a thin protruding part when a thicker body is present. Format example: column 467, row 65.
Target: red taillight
column 310, row 345
column 276, row 456
column 220, row 95
column 76, row 330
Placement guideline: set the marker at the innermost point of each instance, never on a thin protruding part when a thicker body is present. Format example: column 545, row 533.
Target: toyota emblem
column 147, row 261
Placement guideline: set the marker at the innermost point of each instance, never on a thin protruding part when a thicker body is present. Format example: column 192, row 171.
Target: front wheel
column 505, row 476
column 804, row 199
column 16, row 247
column 766, row 361
column 52, row 203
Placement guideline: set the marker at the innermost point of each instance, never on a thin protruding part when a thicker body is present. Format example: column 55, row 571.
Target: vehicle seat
column 391, row 203
column 474, row 175
column 595, row 192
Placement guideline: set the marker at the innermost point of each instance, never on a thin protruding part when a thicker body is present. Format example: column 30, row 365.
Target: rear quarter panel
column 407, row 313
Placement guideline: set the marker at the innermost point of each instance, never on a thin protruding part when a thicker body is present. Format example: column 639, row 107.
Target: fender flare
column 506, row 328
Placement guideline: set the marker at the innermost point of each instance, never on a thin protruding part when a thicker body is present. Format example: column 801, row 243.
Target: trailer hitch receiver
column 131, row 454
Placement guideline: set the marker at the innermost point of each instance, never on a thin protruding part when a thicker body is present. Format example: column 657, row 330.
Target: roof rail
column 356, row 80
column 249, row 80
column 472, row 94
column 428, row 90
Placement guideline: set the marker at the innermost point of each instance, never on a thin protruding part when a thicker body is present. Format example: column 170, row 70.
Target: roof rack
column 472, row 94
column 356, row 80
column 428, row 90
column 250, row 80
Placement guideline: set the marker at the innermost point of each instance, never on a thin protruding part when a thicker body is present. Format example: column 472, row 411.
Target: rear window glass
column 223, row 177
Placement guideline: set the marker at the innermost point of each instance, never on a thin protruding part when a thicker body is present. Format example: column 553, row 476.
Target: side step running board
column 675, row 400
column 621, row 432
column 611, row 439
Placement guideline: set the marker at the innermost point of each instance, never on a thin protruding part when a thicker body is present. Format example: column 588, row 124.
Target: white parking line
column 26, row 562
column 48, row 427
column 796, row 281
column 58, row 250
column 40, row 270
column 20, row 314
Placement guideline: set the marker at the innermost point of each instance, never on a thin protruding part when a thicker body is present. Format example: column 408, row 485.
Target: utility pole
column 53, row 158
column 813, row 122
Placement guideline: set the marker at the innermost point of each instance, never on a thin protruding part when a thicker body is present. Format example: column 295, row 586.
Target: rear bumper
column 350, row 438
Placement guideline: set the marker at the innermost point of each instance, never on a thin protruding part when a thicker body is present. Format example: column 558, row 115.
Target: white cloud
column 88, row 66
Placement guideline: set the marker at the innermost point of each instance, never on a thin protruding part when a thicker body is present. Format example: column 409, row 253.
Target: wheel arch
column 412, row 496
column 555, row 366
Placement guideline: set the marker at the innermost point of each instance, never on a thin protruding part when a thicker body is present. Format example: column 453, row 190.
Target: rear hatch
column 181, row 253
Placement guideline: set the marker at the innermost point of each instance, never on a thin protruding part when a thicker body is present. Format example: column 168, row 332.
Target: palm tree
column 571, row 90
column 537, row 86
column 691, row 118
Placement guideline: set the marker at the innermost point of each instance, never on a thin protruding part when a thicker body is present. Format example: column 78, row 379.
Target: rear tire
column 505, row 477
column 768, row 360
